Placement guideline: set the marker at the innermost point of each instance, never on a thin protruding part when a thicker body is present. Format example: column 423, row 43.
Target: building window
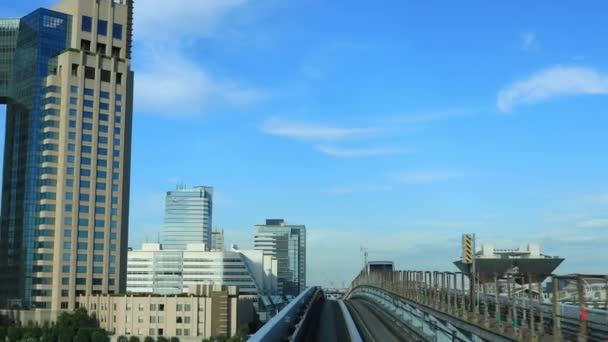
column 178, row 332
column 117, row 31
column 87, row 23
column 102, row 27
column 89, row 72
column 187, row 319
column 106, row 76
column 152, row 319
column 186, row 332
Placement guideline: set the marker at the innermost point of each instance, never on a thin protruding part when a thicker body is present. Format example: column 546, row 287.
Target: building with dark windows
column 287, row 243
column 66, row 79
column 188, row 214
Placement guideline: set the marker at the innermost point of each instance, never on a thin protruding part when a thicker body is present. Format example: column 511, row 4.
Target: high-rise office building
column 188, row 213
column 287, row 243
column 217, row 240
column 65, row 77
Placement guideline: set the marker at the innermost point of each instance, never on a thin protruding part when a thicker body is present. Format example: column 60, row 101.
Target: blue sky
column 391, row 125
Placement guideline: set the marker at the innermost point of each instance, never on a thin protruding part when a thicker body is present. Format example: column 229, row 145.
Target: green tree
column 2, row 333
column 161, row 339
column 174, row 339
column 65, row 335
column 48, row 335
column 122, row 338
column 149, row 339
column 99, row 335
column 134, row 339
column 14, row 333
column 82, row 335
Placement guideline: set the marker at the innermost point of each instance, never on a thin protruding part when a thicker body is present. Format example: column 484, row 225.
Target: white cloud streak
column 529, row 42
column 311, row 131
column 553, row 82
column 593, row 223
column 357, row 152
column 426, row 177
column 352, row 189
column 180, row 18
column 173, row 85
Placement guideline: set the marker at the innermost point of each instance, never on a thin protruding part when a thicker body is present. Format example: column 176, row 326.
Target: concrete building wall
column 210, row 311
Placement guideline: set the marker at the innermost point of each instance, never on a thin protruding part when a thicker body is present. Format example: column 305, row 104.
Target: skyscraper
column 188, row 213
column 217, row 240
column 65, row 77
column 287, row 243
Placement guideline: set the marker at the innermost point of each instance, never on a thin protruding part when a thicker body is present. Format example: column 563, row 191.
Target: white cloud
column 174, row 85
column 180, row 18
column 312, row 131
column 529, row 42
column 426, row 177
column 418, row 118
column 352, row 189
column 357, row 152
column 168, row 79
column 599, row 198
column 593, row 223
column 553, row 82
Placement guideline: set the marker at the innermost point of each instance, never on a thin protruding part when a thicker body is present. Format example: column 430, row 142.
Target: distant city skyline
column 396, row 127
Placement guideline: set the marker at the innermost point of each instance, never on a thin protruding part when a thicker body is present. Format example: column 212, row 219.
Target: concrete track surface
column 328, row 325
column 375, row 325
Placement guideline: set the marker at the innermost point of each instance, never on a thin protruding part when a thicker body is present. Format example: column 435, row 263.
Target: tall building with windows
column 188, row 214
column 66, row 79
column 217, row 240
column 287, row 243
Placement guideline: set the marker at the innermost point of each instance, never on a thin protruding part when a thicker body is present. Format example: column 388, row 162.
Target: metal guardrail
column 353, row 332
column 283, row 325
column 527, row 315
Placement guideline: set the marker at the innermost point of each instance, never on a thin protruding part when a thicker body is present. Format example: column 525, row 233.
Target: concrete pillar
column 582, row 331
column 555, row 313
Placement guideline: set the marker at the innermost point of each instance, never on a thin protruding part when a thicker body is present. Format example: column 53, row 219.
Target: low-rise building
column 209, row 310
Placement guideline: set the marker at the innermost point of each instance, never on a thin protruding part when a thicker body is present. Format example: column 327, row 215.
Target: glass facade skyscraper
column 287, row 243
column 188, row 215
column 65, row 188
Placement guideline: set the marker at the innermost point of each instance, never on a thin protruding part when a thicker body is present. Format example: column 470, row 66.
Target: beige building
column 211, row 310
column 77, row 227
